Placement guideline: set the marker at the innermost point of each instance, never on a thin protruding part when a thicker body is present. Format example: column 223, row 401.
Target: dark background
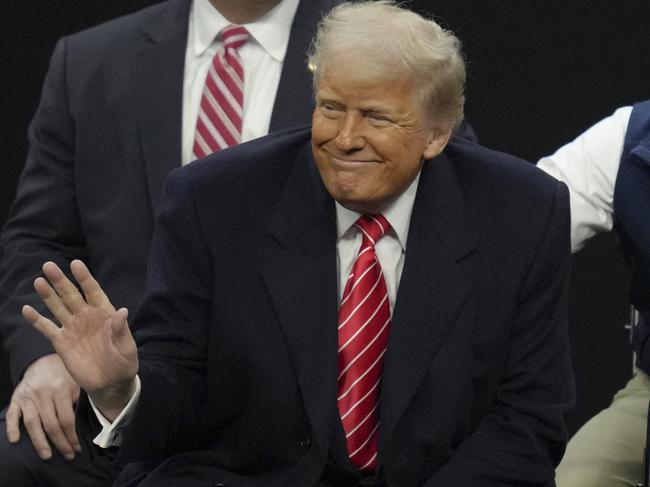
column 539, row 73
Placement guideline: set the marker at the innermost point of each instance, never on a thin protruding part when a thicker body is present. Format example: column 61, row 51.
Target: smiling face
column 370, row 138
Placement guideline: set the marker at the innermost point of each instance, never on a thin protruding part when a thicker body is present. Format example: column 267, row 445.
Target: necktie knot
column 234, row 36
column 372, row 227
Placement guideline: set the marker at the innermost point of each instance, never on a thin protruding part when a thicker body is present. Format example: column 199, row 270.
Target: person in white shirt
column 607, row 171
column 118, row 112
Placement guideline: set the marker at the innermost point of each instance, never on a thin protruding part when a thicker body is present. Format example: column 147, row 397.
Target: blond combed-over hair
column 381, row 40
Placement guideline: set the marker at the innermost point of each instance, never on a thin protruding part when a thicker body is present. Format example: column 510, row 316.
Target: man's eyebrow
column 326, row 97
column 377, row 109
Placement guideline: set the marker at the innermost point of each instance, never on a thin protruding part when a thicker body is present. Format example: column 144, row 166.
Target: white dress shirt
column 262, row 57
column 589, row 167
column 389, row 249
column 390, row 253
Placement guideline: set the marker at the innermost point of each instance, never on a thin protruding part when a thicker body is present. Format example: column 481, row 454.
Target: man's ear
column 438, row 140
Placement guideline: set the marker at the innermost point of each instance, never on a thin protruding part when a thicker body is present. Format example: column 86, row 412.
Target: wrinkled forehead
column 362, row 66
column 365, row 84
column 370, row 87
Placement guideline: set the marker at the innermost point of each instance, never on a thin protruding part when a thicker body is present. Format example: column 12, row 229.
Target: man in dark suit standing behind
column 118, row 111
column 362, row 303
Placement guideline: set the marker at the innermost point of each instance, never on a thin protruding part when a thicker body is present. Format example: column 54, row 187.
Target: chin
column 352, row 194
column 360, row 205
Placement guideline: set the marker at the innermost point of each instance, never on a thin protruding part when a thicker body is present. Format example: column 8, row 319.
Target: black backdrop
column 539, row 73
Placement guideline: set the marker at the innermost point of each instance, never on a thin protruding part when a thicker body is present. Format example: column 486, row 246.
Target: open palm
column 93, row 338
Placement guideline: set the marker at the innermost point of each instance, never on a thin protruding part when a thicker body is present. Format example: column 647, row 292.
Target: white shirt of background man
column 262, row 58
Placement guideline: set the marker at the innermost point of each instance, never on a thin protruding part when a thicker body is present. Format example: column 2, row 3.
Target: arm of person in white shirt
column 589, row 166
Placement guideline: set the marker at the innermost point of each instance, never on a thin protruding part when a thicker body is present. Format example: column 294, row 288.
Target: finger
column 46, row 326
column 92, row 290
column 75, row 396
column 65, row 412
column 35, row 431
column 53, row 429
column 12, row 422
column 52, row 300
column 119, row 322
column 67, row 291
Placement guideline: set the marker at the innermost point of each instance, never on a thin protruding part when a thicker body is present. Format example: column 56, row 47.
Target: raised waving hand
column 93, row 339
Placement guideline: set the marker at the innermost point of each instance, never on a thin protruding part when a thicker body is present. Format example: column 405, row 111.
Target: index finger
column 93, row 292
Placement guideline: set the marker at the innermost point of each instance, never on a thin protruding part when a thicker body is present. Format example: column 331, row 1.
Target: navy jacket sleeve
column 43, row 223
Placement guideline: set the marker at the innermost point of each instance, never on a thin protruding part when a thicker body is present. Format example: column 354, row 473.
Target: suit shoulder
column 493, row 170
column 118, row 34
column 264, row 161
column 506, row 193
column 247, row 179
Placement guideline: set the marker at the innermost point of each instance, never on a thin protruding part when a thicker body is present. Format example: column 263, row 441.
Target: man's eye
column 328, row 107
column 330, row 110
column 377, row 118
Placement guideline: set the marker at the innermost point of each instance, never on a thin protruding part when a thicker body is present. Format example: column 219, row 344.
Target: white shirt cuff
column 110, row 435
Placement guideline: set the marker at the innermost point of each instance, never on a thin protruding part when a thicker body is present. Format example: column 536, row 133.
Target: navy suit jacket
column 238, row 333
column 106, row 134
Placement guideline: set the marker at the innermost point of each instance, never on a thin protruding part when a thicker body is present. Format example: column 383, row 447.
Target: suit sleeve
column 43, row 223
column 171, row 329
column 523, row 435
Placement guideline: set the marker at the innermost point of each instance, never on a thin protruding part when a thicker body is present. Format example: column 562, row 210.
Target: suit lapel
column 301, row 280
column 158, row 74
column 432, row 289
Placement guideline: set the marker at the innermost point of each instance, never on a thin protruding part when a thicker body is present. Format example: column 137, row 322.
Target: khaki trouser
column 608, row 450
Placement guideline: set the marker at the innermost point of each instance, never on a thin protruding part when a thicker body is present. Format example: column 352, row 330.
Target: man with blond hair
column 367, row 302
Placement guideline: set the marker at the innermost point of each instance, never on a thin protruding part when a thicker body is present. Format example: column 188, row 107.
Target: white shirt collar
column 271, row 31
column 398, row 213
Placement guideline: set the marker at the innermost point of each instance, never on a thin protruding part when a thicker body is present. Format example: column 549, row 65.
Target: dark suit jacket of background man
column 238, row 332
column 106, row 133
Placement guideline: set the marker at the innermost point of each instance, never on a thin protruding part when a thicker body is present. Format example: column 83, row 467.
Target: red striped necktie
column 364, row 321
column 219, row 124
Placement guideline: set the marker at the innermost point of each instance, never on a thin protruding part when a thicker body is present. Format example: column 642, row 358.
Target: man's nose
column 350, row 136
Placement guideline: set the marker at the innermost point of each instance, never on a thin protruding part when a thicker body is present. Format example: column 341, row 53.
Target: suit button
column 220, row 484
column 304, row 443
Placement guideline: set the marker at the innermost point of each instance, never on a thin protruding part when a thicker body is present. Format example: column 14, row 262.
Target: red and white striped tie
column 364, row 321
column 219, row 124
